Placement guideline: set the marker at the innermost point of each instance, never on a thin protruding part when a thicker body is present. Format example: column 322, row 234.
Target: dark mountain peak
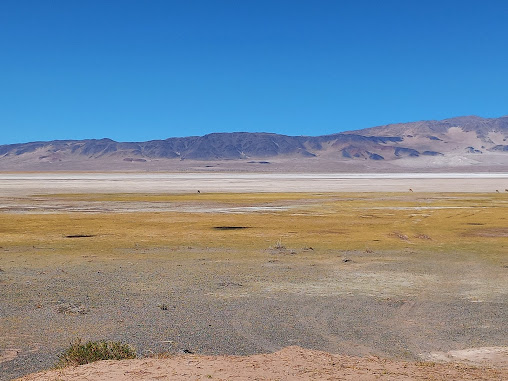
column 104, row 140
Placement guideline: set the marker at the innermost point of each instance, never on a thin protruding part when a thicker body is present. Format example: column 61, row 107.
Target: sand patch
column 492, row 356
column 291, row 363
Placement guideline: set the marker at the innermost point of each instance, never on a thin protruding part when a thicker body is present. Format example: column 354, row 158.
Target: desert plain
column 402, row 267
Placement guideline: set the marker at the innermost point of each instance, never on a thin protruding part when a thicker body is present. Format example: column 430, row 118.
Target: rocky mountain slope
column 449, row 143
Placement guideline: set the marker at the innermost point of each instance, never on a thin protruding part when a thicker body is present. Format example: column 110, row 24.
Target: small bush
column 79, row 354
column 279, row 245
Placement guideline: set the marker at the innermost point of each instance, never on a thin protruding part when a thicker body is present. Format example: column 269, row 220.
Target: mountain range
column 456, row 144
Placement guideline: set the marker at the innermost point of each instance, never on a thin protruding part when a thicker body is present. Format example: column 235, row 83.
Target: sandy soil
column 35, row 183
column 291, row 363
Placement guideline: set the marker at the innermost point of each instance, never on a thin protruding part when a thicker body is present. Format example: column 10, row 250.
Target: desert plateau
column 257, row 276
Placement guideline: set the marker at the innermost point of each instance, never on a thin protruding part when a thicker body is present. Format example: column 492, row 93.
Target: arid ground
column 382, row 272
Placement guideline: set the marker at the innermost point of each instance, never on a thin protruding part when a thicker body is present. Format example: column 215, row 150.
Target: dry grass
column 229, row 198
column 80, row 353
column 473, row 223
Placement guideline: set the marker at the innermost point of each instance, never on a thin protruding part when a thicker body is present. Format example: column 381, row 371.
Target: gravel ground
column 214, row 306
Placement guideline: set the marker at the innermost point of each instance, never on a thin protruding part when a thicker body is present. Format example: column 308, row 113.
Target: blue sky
column 140, row 70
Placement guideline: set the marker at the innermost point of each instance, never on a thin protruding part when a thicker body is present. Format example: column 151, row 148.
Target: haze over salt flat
column 41, row 183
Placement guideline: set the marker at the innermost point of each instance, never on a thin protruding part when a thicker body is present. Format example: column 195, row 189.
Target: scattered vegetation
column 79, row 353
column 279, row 245
column 400, row 236
column 72, row 309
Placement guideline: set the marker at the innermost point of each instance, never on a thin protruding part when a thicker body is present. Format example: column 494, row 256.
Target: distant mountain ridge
column 463, row 137
column 234, row 145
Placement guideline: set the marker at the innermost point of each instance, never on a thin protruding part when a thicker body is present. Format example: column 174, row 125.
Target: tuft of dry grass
column 79, row 353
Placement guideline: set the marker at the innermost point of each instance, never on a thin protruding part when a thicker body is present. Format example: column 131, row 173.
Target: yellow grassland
column 470, row 223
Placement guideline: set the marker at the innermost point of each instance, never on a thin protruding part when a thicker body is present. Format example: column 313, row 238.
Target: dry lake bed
column 350, row 264
column 43, row 183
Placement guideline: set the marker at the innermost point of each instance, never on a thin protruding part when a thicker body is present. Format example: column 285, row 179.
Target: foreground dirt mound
column 291, row 363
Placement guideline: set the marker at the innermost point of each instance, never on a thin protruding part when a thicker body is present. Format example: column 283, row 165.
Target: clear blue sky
column 147, row 69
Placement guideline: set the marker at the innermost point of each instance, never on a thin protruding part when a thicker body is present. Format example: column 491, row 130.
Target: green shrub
column 79, row 354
